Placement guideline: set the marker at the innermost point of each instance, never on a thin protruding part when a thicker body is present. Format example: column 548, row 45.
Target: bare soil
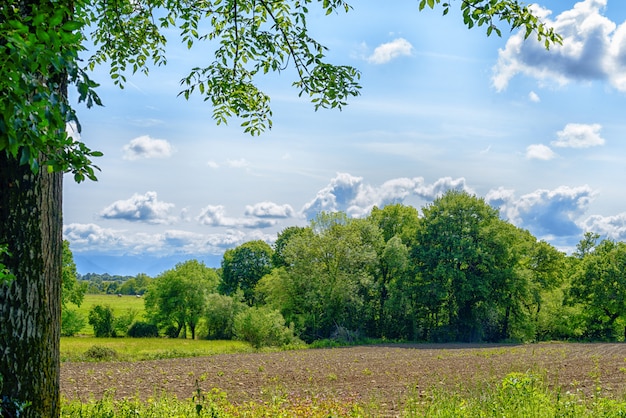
column 384, row 374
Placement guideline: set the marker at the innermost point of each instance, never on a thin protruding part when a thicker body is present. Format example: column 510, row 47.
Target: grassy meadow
column 119, row 305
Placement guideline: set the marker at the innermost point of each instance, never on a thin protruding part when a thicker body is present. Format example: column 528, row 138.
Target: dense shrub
column 122, row 323
column 71, row 322
column 263, row 326
column 102, row 320
column 220, row 314
column 141, row 329
column 98, row 352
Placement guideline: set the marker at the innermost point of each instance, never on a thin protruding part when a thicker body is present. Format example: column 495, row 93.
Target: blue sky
column 539, row 134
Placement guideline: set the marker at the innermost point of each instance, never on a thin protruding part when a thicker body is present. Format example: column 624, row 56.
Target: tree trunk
column 30, row 313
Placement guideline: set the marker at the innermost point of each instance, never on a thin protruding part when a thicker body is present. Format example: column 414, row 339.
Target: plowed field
column 384, row 375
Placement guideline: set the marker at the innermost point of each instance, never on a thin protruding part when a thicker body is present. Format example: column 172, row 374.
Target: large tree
column 176, row 298
column 40, row 42
column 244, row 266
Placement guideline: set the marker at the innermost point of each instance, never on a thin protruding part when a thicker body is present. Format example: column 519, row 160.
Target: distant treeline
column 114, row 284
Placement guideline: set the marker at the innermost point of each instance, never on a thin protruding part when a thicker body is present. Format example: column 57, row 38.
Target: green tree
column 278, row 258
column 40, row 42
column 456, row 256
column 244, row 266
column 398, row 225
column 599, row 285
column 220, row 314
column 328, row 278
column 102, row 320
column 176, row 298
column 71, row 290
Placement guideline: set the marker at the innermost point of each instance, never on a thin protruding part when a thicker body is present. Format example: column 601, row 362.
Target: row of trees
column 456, row 273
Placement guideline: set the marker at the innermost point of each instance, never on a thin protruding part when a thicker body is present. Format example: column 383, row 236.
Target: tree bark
column 30, row 312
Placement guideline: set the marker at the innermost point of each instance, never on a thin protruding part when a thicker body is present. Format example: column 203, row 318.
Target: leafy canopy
column 42, row 41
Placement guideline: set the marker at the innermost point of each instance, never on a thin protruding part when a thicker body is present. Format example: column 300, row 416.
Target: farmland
column 383, row 380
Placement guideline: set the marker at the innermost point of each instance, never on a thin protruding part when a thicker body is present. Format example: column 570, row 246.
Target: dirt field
column 382, row 374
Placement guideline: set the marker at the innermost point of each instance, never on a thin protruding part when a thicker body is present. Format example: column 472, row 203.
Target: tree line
column 455, row 272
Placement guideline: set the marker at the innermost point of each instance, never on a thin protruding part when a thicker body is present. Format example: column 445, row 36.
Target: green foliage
column 599, row 285
column 123, row 321
column 102, row 320
column 244, row 266
column 263, row 327
column 487, row 12
column 72, row 291
column 329, row 276
column 40, row 57
column 72, row 322
column 140, row 329
column 176, row 299
column 100, row 353
column 220, row 314
column 6, row 277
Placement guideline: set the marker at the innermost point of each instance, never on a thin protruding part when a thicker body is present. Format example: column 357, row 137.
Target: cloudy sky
column 539, row 134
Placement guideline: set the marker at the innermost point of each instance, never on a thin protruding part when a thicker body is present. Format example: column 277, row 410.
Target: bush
column 143, row 330
column 220, row 314
column 102, row 320
column 98, row 352
column 122, row 323
column 71, row 322
column 263, row 326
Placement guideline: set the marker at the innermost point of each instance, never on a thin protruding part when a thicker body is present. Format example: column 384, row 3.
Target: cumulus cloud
column 350, row 194
column 539, row 152
column 390, row 50
column 612, row 227
column 546, row 213
column 216, row 216
column 577, row 135
column 594, row 48
column 270, row 210
column 91, row 237
column 147, row 147
column 142, row 208
column 212, row 164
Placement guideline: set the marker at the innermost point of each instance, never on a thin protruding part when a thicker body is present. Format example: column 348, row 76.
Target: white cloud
column 212, row 164
column 594, row 48
column 143, row 208
column 270, row 210
column 349, row 194
column 539, row 152
column 612, row 227
column 86, row 238
column 390, row 50
column 534, row 97
column 545, row 212
column 216, row 216
column 147, row 147
column 576, row 135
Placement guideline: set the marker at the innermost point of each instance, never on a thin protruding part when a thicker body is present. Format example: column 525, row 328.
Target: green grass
column 135, row 349
column 119, row 305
